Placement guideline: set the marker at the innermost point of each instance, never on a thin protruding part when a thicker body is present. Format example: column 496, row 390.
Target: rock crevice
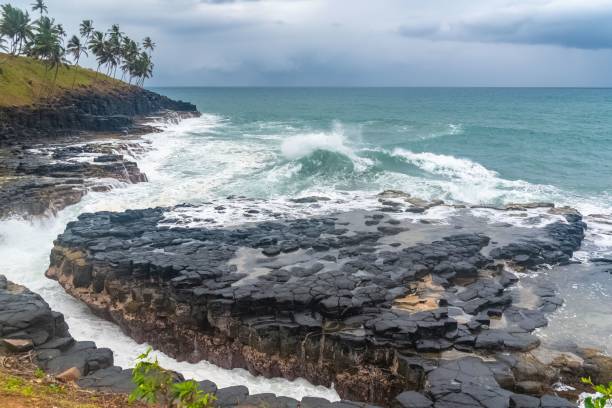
column 319, row 298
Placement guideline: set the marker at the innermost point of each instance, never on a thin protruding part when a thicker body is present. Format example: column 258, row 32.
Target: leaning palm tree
column 56, row 59
column 112, row 54
column 39, row 5
column 76, row 48
column 16, row 25
column 96, row 46
column 86, row 29
column 115, row 38
column 60, row 31
column 115, row 30
column 47, row 46
column 143, row 68
column 148, row 45
column 128, row 51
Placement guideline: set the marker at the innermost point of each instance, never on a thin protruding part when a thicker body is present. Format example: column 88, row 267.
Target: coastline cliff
column 78, row 100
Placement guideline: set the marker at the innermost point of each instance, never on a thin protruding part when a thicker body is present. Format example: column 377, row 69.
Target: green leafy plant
column 604, row 394
column 55, row 389
column 39, row 373
column 17, row 385
column 156, row 385
column 190, row 396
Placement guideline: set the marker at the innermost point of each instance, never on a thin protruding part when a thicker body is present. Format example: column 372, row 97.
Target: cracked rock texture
column 373, row 304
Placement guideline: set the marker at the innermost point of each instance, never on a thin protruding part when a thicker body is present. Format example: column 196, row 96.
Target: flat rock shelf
column 389, row 309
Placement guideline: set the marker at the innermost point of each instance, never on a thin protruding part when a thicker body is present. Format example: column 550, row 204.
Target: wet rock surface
column 25, row 317
column 375, row 303
column 52, row 155
column 40, row 178
column 83, row 110
column 43, row 179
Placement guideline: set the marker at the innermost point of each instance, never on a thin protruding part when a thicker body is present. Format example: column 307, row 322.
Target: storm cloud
column 574, row 24
column 363, row 42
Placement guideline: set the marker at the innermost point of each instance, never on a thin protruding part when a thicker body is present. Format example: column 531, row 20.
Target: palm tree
column 111, row 55
column 143, row 68
column 114, row 48
column 129, row 49
column 76, row 48
column 45, row 40
column 86, row 29
column 39, row 5
column 60, row 31
column 56, row 59
column 16, row 25
column 47, row 46
column 115, row 31
column 148, row 44
column 96, row 46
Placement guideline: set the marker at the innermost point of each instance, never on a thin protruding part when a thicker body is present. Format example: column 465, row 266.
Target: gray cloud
column 573, row 24
column 223, row 1
column 356, row 42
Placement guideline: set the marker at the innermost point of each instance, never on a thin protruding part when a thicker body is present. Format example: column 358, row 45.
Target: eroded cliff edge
column 374, row 302
column 113, row 110
column 52, row 154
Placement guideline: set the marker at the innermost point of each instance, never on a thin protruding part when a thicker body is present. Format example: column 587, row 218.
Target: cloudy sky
column 363, row 42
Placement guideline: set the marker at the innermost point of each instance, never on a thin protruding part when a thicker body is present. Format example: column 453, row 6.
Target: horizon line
column 383, row 86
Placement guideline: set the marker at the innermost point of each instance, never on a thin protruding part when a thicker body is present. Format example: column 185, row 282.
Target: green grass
column 26, row 81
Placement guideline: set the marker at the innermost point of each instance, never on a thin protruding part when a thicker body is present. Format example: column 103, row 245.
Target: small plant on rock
column 604, row 394
column 156, row 385
column 39, row 373
column 190, row 396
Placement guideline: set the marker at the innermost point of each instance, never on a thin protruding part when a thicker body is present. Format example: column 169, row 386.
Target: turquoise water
column 471, row 146
column 559, row 141
column 460, row 145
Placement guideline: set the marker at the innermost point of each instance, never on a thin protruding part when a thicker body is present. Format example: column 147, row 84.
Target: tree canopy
column 45, row 40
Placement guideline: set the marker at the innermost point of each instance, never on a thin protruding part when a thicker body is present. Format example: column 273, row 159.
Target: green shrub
column 157, row 385
column 600, row 401
column 39, row 373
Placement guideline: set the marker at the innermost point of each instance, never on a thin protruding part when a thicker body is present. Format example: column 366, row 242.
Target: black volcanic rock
column 342, row 306
column 84, row 111
column 26, row 316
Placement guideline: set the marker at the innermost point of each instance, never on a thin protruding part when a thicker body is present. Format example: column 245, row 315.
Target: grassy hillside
column 25, row 81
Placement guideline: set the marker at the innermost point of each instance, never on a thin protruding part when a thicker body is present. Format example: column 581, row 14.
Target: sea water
column 471, row 146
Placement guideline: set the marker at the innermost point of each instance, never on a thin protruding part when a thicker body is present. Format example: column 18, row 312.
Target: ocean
column 488, row 145
column 460, row 145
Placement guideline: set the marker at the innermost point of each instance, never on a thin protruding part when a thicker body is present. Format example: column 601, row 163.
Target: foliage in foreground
column 604, row 394
column 158, row 386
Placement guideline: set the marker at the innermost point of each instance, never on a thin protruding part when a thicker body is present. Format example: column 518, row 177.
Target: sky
column 362, row 42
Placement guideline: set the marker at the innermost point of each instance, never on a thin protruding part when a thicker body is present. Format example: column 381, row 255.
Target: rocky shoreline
column 50, row 157
column 389, row 305
column 115, row 110
column 41, row 173
column 390, row 310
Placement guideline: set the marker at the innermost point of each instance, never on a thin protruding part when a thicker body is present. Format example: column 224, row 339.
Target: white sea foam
column 204, row 159
column 300, row 145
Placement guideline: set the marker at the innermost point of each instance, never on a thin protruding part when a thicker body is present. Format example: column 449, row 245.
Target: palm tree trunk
column 75, row 72
column 54, row 80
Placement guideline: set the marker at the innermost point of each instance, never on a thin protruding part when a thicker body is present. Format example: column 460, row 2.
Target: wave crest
column 449, row 166
column 298, row 146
